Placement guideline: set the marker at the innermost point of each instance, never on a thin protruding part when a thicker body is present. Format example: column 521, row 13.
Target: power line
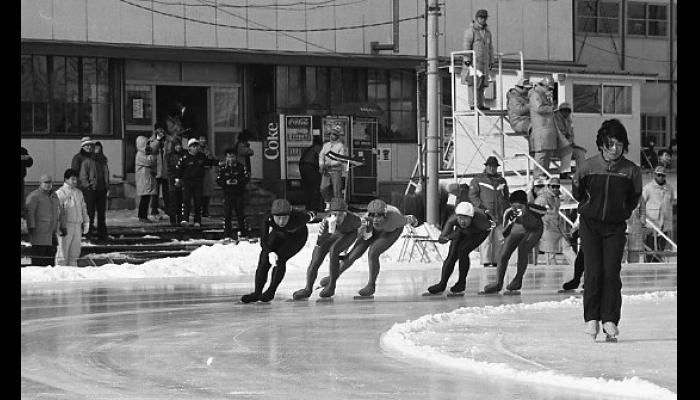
column 614, row 53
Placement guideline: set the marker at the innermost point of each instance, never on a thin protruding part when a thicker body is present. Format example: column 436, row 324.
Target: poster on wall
column 298, row 134
column 447, row 160
column 137, row 108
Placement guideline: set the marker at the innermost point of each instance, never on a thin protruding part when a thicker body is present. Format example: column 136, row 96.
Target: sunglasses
column 539, row 186
column 554, row 186
column 661, row 175
column 376, row 215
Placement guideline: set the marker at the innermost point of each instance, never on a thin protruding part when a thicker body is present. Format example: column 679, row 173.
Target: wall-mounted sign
column 137, row 108
column 384, row 153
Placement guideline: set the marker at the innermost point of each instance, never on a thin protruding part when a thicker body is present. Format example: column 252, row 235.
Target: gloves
column 63, row 232
column 411, row 219
column 272, row 258
column 365, row 231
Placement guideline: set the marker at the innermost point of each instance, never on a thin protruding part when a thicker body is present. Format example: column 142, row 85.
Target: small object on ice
column 209, row 360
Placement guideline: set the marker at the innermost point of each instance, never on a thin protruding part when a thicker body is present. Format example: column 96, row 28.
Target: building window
column 647, row 19
column 598, row 16
column 66, row 95
column 654, row 127
column 602, row 99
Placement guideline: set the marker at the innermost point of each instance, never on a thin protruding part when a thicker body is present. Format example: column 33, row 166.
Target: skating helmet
column 465, row 208
column 280, row 207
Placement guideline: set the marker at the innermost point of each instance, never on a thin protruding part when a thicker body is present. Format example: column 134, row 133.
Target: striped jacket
column 489, row 193
column 607, row 191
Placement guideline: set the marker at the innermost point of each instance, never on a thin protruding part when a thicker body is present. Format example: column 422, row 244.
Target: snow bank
column 404, row 338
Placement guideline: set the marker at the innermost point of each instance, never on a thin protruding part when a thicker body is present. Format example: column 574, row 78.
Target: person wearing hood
column 608, row 187
column 477, row 37
column 519, row 107
column 567, row 148
column 657, row 205
column 146, row 186
column 488, row 192
column 73, row 220
column 543, row 133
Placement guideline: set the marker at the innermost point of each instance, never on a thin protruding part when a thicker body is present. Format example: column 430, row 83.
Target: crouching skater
column 338, row 232
column 380, row 228
column 283, row 235
column 522, row 230
column 466, row 229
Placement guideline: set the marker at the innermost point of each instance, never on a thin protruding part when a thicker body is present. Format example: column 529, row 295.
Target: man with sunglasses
column 608, row 187
column 381, row 228
column 657, row 205
column 282, row 235
column 338, row 231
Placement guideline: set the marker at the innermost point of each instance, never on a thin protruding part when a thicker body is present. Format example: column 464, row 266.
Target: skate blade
column 428, row 294
column 511, row 293
column 324, row 300
column 457, row 294
column 567, row 291
column 489, row 294
column 363, row 297
column 610, row 339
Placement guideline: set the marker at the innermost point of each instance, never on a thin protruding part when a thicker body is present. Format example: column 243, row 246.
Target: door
column 363, row 143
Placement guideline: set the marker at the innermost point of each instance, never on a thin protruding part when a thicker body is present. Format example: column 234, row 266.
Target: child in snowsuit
column 283, row 234
column 232, row 178
column 381, row 228
column 523, row 228
column 467, row 228
column 73, row 220
column 338, row 232
column 189, row 174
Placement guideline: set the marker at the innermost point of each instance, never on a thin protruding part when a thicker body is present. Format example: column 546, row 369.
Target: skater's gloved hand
column 272, row 258
column 63, row 232
column 411, row 219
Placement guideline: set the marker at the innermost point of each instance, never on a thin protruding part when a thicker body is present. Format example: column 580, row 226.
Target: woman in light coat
column 146, row 184
column 74, row 220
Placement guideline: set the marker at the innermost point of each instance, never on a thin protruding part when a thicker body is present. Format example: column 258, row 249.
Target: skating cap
column 554, row 181
column 465, row 208
column 539, row 181
column 280, row 207
column 519, row 196
column 376, row 206
column 492, row 160
column 85, row 141
column 338, row 204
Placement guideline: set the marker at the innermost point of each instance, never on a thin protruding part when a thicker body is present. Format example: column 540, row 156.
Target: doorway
column 194, row 98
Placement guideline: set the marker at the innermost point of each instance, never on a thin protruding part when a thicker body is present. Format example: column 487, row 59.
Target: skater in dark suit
column 578, row 263
column 283, row 235
column 522, row 229
column 466, row 229
column 338, row 232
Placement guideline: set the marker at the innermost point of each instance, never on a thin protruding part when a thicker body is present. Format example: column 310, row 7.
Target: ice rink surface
column 191, row 339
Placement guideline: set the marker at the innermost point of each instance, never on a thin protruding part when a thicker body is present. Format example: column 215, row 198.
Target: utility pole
column 433, row 115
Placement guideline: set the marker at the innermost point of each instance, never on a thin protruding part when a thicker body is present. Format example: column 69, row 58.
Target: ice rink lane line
column 501, row 347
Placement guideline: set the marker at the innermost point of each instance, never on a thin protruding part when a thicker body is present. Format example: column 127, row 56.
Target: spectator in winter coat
column 566, row 148
column 657, row 205
column 338, row 231
column 87, row 147
column 160, row 140
column 608, row 187
column 488, row 192
column 209, row 176
column 175, row 192
column 465, row 230
column 232, row 178
column 189, row 174
column 282, row 235
column 243, row 150
column 42, row 222
column 331, row 170
column 549, row 197
column 522, row 229
column 74, row 220
column 145, row 162
column 477, row 37
column 27, row 161
column 519, row 107
column 94, row 183
column 311, row 175
column 381, row 228
column 543, row 132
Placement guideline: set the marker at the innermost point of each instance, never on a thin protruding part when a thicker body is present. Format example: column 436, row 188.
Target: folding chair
column 419, row 242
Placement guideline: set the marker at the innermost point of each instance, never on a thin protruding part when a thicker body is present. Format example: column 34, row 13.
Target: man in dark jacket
column 608, row 187
column 42, row 222
column 87, row 147
column 282, row 235
column 232, row 178
column 27, row 161
column 477, row 37
column 189, row 173
column 94, row 183
column 175, row 192
column 488, row 191
column 311, row 175
column 519, row 107
column 466, row 229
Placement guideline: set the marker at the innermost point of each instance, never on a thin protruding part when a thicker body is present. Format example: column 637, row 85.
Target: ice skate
column 492, row 288
column 327, row 292
column 250, row 298
column 435, row 290
column 301, row 294
column 267, row 296
column 367, row 290
column 457, row 289
column 570, row 285
column 611, row 331
column 592, row 328
column 324, row 281
column 513, row 288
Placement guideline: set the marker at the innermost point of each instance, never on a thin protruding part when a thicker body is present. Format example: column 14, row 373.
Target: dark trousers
column 97, row 205
column 310, row 184
column 174, row 202
column 144, row 203
column 162, row 187
column 603, row 245
column 377, row 244
column 192, row 193
column 285, row 246
column 334, row 245
column 43, row 255
column 578, row 262
column 233, row 201
column 524, row 241
column 459, row 250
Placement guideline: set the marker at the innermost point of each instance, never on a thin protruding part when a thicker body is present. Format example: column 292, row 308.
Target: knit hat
column 519, row 196
column 280, row 207
column 492, row 160
column 86, row 140
column 192, row 141
column 565, row 106
column 465, row 208
column 482, row 13
column 338, row 204
column 376, row 206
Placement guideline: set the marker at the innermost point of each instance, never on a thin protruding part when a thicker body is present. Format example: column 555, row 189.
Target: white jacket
column 72, row 206
column 333, row 165
column 657, row 203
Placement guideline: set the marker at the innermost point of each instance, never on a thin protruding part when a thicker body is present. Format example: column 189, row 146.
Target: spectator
column 74, row 220
column 550, row 242
column 519, row 107
column 331, row 170
column 145, row 163
column 87, row 147
column 232, row 178
column 209, row 177
column 673, row 149
column 88, row 181
column 101, row 192
column 42, row 222
column 608, row 187
column 543, row 132
column 189, row 174
column 665, row 159
column 538, row 186
column 160, row 141
column 488, row 192
column 243, row 149
column 311, row 176
column 477, row 37
column 27, row 161
column 649, row 159
column 175, row 201
column 657, row 205
column 566, row 148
